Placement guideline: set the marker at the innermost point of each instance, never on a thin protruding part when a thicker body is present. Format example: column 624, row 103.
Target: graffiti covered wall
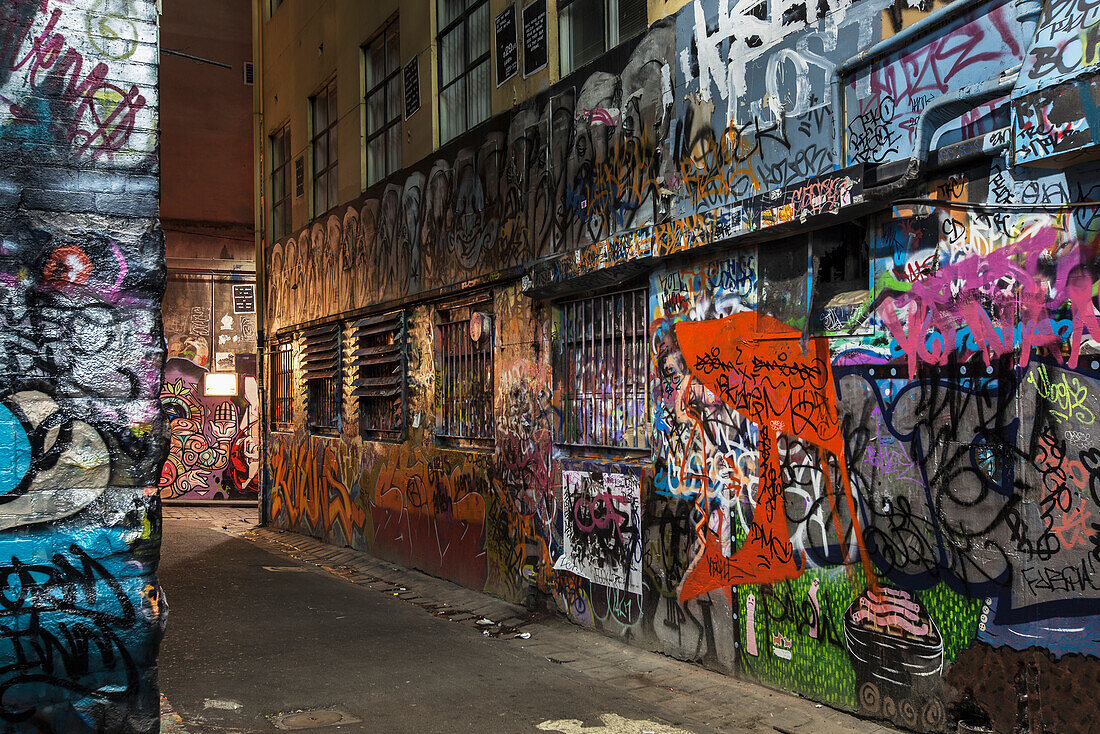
column 214, row 447
column 870, row 473
column 81, row 265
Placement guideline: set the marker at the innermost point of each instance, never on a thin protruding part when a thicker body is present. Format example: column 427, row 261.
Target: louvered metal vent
column 379, row 360
column 321, row 364
column 322, row 351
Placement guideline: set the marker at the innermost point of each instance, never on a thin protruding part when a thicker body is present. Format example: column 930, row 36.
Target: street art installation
column 80, row 432
column 873, row 345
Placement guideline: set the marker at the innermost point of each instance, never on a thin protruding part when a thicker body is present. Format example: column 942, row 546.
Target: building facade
column 760, row 334
column 82, row 272
column 207, row 212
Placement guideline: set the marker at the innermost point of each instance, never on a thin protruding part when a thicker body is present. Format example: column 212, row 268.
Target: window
column 282, row 382
column 841, row 275
column 380, row 375
column 321, row 363
column 591, row 27
column 383, row 98
column 464, row 393
column 274, row 6
column 324, row 148
column 280, row 183
column 602, row 370
column 463, row 65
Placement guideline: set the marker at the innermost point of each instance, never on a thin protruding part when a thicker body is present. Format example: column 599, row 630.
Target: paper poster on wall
column 602, row 521
column 534, row 37
column 507, row 49
column 224, row 361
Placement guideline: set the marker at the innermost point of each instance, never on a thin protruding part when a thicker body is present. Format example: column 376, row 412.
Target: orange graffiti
column 755, row 364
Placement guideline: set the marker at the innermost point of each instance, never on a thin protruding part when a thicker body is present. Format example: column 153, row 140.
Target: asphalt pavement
column 273, row 631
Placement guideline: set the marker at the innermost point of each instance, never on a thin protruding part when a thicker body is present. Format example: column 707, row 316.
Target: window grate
column 282, row 381
column 380, row 382
column 465, row 394
column 603, row 371
column 321, row 363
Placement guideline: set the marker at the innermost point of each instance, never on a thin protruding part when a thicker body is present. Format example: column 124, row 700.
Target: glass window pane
column 376, row 112
column 452, row 110
column 393, row 50
column 632, row 19
column 452, row 61
column 332, row 187
column 376, row 159
column 320, row 155
column 320, row 114
column 449, row 10
column 478, row 30
column 318, row 196
column 393, row 101
column 393, row 155
column 582, row 34
column 376, row 64
column 277, row 151
column 479, row 94
column 332, row 114
column 278, row 188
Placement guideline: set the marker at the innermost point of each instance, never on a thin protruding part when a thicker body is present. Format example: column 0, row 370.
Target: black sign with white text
column 507, row 48
column 534, row 37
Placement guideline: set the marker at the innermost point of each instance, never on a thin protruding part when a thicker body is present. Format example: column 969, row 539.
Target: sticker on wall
column 224, row 362
column 602, row 541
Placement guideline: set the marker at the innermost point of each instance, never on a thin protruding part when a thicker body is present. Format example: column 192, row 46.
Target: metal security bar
column 282, row 382
column 321, row 363
column 379, row 361
column 604, row 371
column 466, row 370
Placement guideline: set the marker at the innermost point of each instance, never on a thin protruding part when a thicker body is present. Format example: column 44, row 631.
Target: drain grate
column 300, row 720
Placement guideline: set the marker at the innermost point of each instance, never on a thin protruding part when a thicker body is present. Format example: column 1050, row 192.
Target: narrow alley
column 347, row 638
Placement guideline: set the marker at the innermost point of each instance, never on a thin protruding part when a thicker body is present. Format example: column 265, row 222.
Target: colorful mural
column 873, row 337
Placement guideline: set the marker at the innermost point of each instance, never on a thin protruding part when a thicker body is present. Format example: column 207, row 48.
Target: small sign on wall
column 244, row 298
column 534, row 37
column 299, row 177
column 507, row 48
column 411, row 74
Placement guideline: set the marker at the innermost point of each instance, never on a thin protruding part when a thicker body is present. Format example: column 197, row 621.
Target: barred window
column 321, row 363
column 601, row 371
column 464, row 395
column 380, row 381
column 282, row 382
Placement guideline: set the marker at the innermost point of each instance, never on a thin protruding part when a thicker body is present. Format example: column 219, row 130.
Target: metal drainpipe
column 261, row 235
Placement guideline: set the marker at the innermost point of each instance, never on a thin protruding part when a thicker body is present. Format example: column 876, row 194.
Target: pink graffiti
column 992, row 304
column 100, row 116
